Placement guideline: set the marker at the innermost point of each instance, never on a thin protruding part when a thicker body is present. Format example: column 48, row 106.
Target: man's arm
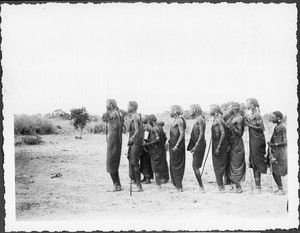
column 105, row 117
column 137, row 128
column 260, row 123
column 238, row 130
column 181, row 131
column 156, row 132
column 200, row 122
column 222, row 130
column 284, row 141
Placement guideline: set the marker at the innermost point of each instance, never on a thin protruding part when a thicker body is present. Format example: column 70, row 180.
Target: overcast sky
column 62, row 56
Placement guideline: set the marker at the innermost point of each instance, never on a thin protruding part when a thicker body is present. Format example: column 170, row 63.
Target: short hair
column 177, row 109
column 145, row 119
column 152, row 117
column 133, row 104
column 235, row 105
column 226, row 115
column 161, row 123
column 278, row 114
column 216, row 108
column 113, row 102
column 196, row 108
column 254, row 102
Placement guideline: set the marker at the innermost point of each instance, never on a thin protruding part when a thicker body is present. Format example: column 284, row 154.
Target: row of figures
column 148, row 145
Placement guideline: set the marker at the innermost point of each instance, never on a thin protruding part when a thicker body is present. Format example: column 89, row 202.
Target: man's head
column 252, row 103
column 276, row 117
column 215, row 109
column 132, row 106
column 111, row 104
column 227, row 115
column 152, row 119
column 234, row 107
column 176, row 110
column 195, row 110
column 145, row 119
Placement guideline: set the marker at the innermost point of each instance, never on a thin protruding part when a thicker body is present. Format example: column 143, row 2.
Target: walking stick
column 130, row 187
column 247, row 138
column 206, row 156
column 271, row 169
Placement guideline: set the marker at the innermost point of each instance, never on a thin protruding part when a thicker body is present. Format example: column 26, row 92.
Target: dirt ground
column 65, row 179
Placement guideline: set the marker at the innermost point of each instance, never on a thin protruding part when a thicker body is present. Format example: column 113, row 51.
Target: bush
column 31, row 125
column 96, row 128
column 59, row 113
column 32, row 140
column 80, row 118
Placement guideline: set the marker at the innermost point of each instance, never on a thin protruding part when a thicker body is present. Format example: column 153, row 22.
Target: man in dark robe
column 278, row 144
column 237, row 164
column 156, row 145
column 115, row 123
column 145, row 163
column 257, row 142
column 165, row 172
column 197, row 143
column 135, row 143
column 220, row 146
column 177, row 147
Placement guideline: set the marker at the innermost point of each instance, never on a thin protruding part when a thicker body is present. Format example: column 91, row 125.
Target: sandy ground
column 65, row 179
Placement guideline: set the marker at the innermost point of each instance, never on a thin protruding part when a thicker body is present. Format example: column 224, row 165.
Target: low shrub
column 32, row 125
column 32, row 140
column 96, row 128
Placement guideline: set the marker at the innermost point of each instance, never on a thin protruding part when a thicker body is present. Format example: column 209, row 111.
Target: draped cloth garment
column 200, row 149
column 145, row 166
column 220, row 161
column 157, row 150
column 280, row 152
column 136, row 150
column 114, row 142
column 257, row 145
column 177, row 159
column 237, row 164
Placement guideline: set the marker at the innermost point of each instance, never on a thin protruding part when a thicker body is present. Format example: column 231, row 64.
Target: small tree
column 80, row 118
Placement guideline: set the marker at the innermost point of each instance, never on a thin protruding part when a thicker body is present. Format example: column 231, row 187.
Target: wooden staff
column 206, row 155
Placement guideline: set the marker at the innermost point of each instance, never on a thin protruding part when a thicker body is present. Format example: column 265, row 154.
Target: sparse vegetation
column 32, row 140
column 96, row 128
column 32, row 125
column 59, row 113
column 80, row 118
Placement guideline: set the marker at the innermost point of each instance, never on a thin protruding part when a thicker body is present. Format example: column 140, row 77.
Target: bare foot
column 114, row 189
column 138, row 189
column 279, row 192
column 201, row 190
column 119, row 188
column 239, row 190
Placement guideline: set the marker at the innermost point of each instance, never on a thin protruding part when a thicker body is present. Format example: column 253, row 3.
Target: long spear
column 247, row 140
column 206, row 156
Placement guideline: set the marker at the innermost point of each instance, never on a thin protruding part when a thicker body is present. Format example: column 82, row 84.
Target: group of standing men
column 228, row 150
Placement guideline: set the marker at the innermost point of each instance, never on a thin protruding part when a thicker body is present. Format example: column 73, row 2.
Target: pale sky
column 62, row 56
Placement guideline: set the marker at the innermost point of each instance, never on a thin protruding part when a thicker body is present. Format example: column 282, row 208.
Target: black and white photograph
column 135, row 116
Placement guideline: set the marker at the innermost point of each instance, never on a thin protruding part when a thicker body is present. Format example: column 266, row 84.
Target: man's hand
column 229, row 124
column 105, row 117
column 217, row 153
column 130, row 142
column 193, row 150
column 175, row 148
column 246, row 123
column 273, row 160
column 145, row 144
